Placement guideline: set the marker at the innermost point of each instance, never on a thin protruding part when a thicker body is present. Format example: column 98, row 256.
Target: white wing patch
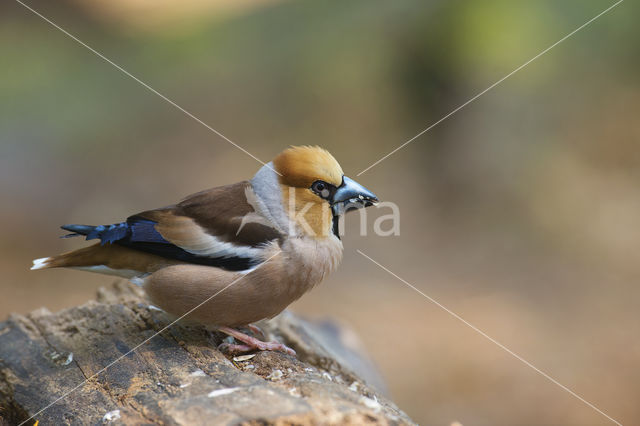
column 188, row 235
column 210, row 246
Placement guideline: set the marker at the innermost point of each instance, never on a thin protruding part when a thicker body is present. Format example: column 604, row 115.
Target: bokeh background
column 519, row 213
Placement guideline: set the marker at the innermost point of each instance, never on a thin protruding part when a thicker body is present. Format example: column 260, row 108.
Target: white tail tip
column 41, row 263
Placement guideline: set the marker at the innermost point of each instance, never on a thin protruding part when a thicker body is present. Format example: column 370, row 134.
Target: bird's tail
column 73, row 258
column 87, row 256
column 105, row 257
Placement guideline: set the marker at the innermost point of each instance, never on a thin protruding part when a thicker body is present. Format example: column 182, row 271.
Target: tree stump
column 179, row 377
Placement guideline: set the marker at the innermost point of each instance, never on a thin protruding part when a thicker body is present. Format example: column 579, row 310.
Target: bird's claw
column 250, row 343
column 276, row 346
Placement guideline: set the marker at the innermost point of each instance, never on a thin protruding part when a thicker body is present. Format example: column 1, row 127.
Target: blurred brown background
column 519, row 213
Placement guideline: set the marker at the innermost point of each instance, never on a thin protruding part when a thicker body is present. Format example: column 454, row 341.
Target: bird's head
column 316, row 191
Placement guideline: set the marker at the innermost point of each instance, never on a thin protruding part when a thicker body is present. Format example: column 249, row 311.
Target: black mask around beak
column 350, row 196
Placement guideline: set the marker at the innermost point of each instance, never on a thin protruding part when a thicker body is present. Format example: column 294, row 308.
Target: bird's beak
column 351, row 195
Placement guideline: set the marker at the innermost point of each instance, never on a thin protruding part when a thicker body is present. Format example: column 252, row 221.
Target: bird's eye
column 321, row 188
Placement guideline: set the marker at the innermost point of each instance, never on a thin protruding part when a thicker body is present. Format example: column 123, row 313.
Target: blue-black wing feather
column 140, row 233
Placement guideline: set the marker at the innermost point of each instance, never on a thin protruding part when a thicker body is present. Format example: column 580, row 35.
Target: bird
column 232, row 255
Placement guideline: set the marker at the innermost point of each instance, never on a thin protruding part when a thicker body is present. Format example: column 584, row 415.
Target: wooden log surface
column 179, row 377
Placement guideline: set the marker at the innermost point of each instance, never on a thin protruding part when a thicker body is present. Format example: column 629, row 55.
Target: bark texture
column 179, row 377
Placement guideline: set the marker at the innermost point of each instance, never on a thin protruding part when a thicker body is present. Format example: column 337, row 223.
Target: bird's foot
column 250, row 343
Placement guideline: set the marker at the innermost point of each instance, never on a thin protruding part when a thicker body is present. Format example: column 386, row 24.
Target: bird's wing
column 217, row 227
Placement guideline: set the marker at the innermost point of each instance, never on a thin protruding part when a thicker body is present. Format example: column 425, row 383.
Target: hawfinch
column 243, row 252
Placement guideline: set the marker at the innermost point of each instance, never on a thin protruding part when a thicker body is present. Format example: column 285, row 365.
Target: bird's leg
column 251, row 343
